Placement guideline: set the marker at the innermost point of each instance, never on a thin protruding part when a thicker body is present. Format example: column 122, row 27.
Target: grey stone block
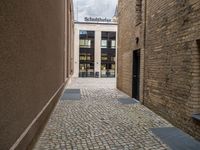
column 176, row 139
column 71, row 94
column 127, row 101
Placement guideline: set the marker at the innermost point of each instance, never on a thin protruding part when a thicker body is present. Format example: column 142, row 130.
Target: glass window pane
column 81, row 42
column 83, row 32
column 104, row 43
column 104, row 35
column 88, row 43
column 85, row 43
column 112, row 35
column 113, row 44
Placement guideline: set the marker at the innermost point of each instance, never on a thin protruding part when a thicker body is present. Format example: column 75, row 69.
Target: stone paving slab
column 78, row 91
column 196, row 117
column 127, row 101
column 176, row 139
column 71, row 94
column 99, row 122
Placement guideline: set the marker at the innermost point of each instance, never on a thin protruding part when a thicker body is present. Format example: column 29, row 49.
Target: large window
column 104, row 57
column 108, row 46
column 107, row 70
column 86, row 54
column 108, row 40
column 86, row 39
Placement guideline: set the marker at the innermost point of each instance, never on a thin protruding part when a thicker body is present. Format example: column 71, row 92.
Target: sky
column 94, row 8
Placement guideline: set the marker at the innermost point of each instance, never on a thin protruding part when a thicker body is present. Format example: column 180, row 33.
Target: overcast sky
column 94, row 8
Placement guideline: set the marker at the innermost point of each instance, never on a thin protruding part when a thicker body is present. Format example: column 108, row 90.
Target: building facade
column 36, row 54
column 95, row 49
column 159, row 58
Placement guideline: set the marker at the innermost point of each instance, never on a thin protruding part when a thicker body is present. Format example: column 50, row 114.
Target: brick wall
column 128, row 30
column 171, row 60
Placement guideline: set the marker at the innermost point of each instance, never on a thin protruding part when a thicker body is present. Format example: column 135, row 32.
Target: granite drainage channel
column 71, row 94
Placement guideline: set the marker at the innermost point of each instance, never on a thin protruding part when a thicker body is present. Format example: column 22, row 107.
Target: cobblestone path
column 98, row 121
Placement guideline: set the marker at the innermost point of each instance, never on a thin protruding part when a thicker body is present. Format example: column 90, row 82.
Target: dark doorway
column 136, row 74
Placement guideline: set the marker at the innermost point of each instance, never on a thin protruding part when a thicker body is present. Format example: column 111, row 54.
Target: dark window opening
column 198, row 44
column 136, row 75
column 138, row 11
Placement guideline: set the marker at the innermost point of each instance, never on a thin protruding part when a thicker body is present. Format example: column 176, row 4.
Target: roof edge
column 98, row 23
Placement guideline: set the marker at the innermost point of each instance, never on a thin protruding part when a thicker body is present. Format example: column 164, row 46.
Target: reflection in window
column 86, row 70
column 103, row 43
column 83, row 32
column 82, row 58
column 85, row 43
column 107, row 70
column 108, row 40
column 86, row 57
column 107, row 57
column 113, row 44
column 108, row 44
column 112, row 58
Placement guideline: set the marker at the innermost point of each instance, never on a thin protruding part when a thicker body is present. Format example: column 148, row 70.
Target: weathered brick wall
column 127, row 33
column 172, row 58
column 172, row 61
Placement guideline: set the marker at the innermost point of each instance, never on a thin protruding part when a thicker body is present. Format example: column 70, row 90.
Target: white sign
column 97, row 19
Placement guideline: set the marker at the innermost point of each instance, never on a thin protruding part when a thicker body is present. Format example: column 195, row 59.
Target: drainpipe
column 144, row 44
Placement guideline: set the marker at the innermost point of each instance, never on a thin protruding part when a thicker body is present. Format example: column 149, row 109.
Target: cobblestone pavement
column 98, row 121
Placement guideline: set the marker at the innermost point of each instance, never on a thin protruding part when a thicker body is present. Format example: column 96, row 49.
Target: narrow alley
column 100, row 75
column 99, row 121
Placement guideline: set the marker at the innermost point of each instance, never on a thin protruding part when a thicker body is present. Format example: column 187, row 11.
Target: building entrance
column 136, row 74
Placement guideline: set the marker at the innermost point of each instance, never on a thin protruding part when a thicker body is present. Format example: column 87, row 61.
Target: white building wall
column 97, row 51
column 98, row 28
column 76, row 52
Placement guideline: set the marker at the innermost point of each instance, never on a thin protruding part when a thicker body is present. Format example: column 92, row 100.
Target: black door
column 136, row 74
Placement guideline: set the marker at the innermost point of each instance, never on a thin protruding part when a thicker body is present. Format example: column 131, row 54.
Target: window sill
column 196, row 117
